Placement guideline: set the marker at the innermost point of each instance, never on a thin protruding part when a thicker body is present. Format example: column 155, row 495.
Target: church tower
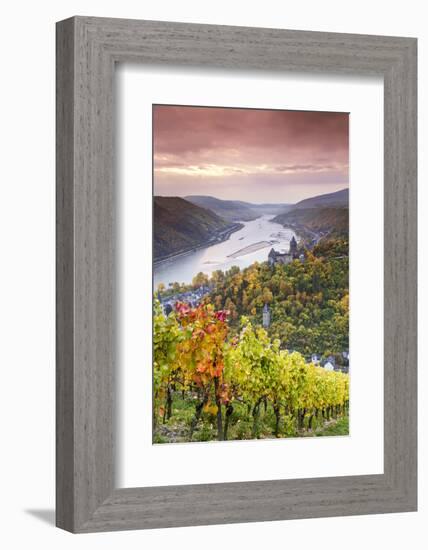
column 293, row 247
column 266, row 316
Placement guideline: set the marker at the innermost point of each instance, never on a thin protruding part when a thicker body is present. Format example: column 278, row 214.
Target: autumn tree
column 201, row 279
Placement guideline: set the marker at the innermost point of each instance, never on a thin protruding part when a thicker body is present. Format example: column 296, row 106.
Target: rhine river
column 250, row 244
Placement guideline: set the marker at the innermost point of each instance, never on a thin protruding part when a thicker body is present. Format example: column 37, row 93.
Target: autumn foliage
column 198, row 360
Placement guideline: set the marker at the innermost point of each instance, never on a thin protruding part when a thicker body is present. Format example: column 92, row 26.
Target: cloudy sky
column 249, row 154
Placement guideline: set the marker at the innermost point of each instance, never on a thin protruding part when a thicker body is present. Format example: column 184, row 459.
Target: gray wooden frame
column 87, row 50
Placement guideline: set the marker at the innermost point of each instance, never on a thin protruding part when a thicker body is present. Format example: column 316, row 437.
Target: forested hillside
column 180, row 226
column 332, row 200
column 324, row 221
column 308, row 300
column 229, row 210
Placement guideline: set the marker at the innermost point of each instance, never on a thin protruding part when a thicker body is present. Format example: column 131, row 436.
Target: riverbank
column 207, row 259
column 216, row 239
column 304, row 236
column 250, row 249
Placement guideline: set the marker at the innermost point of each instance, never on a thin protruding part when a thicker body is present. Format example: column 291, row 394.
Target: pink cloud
column 221, row 143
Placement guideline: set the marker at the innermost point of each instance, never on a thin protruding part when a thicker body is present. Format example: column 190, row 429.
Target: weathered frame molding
column 87, row 50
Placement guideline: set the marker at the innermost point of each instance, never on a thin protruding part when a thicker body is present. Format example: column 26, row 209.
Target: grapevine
column 197, row 361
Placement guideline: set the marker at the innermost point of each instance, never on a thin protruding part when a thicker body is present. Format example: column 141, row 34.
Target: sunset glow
column 264, row 155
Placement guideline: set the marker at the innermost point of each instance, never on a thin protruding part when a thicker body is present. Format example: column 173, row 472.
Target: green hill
column 322, row 221
column 180, row 226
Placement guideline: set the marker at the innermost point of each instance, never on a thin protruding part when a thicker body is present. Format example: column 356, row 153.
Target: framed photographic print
column 236, row 274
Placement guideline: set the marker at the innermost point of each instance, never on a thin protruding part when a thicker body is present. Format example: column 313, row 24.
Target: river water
column 182, row 269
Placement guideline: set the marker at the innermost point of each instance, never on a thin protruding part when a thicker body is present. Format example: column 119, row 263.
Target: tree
column 201, row 357
column 267, row 295
column 166, row 336
column 201, row 279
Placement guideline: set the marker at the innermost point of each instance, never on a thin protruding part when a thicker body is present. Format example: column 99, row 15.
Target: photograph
column 250, row 274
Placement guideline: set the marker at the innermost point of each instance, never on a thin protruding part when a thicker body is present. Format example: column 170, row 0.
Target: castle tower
column 293, row 246
column 272, row 257
column 266, row 316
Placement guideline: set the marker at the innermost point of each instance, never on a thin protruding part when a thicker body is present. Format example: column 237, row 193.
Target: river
column 183, row 268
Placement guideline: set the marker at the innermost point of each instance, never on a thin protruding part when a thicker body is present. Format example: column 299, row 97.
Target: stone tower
column 266, row 316
column 272, row 257
column 293, row 247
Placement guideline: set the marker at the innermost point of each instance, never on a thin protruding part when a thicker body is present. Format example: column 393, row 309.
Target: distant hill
column 180, row 226
column 229, row 210
column 313, row 223
column 330, row 200
column 272, row 209
column 236, row 210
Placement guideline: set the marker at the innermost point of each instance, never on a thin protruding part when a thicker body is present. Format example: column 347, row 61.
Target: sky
column 252, row 155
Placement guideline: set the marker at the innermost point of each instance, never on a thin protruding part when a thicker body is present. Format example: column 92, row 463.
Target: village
column 191, row 297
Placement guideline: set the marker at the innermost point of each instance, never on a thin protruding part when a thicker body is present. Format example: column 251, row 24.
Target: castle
column 284, row 257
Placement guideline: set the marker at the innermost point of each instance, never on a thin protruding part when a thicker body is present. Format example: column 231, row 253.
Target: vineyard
column 211, row 383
